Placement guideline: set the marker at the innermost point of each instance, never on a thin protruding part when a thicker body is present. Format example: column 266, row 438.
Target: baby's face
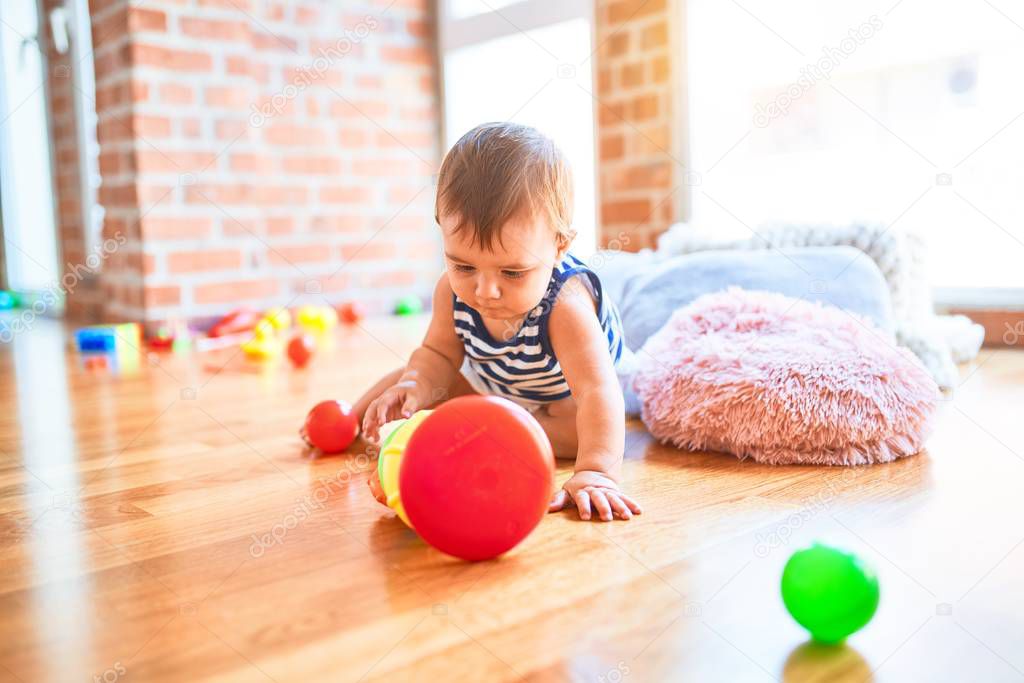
column 510, row 280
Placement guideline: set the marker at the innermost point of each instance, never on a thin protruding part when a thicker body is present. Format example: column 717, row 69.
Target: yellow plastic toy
column 317, row 318
column 261, row 347
column 264, row 329
column 390, row 460
column 265, row 343
column 279, row 318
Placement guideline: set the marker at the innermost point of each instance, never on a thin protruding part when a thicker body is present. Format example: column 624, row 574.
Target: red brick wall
column 116, row 86
column 264, row 152
column 82, row 300
column 257, row 151
column 641, row 169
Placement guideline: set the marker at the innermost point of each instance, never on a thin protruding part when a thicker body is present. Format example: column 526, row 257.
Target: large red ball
column 331, row 426
column 476, row 477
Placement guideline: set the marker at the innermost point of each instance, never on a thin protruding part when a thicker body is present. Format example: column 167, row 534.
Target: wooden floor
column 163, row 524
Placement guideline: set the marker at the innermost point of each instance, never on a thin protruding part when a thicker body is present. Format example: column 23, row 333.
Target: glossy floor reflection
column 817, row 663
column 163, row 523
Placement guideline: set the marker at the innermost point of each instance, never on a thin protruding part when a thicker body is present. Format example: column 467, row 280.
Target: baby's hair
column 500, row 171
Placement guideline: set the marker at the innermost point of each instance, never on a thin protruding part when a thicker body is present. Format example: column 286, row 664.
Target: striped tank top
column 523, row 368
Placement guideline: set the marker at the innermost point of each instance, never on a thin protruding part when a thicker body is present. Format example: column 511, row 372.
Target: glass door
column 26, row 180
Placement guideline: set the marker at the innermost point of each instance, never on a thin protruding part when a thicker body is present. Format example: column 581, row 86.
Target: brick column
column 639, row 118
column 113, row 22
column 79, row 284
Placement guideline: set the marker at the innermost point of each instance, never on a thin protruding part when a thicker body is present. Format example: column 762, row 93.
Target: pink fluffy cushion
column 783, row 381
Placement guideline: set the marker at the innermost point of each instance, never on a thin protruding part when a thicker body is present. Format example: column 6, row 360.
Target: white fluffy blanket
column 940, row 341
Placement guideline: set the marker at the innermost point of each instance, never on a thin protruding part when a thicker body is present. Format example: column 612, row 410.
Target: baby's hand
column 401, row 400
column 376, row 489
column 587, row 488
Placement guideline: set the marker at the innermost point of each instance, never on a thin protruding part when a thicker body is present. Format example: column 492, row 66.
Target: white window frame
column 80, row 29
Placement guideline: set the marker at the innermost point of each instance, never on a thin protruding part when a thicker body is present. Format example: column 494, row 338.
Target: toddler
column 515, row 315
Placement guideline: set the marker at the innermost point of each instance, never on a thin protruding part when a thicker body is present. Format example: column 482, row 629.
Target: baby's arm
column 581, row 347
column 430, row 371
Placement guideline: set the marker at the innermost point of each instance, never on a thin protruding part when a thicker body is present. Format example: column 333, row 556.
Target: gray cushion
column 647, row 290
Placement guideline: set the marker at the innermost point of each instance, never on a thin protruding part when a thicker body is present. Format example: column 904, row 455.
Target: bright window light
column 540, row 77
column 460, row 9
column 906, row 114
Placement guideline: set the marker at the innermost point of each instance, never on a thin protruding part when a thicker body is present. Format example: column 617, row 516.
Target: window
column 26, row 192
column 528, row 62
column 904, row 113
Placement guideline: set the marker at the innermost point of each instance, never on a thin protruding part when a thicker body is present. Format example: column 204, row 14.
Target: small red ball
column 301, row 349
column 331, row 426
column 351, row 312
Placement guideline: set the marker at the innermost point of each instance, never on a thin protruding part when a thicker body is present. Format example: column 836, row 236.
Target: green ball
column 408, row 305
column 383, row 445
column 830, row 592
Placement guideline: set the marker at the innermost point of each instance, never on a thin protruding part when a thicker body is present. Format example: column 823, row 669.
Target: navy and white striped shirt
column 523, row 367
